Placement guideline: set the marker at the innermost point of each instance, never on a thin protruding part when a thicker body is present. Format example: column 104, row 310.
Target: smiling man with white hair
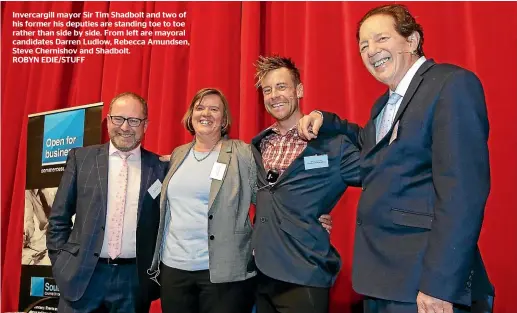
column 425, row 175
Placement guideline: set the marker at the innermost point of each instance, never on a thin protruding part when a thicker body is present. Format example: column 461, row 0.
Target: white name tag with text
column 316, row 161
column 155, row 189
column 218, row 171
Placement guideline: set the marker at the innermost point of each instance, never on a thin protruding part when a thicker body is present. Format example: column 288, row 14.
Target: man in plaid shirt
column 297, row 182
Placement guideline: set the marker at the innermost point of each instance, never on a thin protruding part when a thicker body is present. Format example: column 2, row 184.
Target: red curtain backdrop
column 225, row 40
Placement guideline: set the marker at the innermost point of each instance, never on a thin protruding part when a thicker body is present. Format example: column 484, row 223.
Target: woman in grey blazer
column 203, row 251
column 203, row 258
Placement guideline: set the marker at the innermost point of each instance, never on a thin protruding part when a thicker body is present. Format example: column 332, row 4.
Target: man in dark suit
column 297, row 182
column 425, row 175
column 100, row 262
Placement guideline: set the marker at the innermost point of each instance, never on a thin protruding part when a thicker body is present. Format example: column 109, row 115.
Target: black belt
column 118, row 261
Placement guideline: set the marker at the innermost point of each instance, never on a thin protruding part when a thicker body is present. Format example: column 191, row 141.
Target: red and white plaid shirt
column 278, row 151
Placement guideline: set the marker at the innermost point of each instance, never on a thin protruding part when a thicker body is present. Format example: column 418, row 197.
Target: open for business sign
column 61, row 132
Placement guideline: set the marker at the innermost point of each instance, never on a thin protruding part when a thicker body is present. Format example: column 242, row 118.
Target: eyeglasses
column 131, row 121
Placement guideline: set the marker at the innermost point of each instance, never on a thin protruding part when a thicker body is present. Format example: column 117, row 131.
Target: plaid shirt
column 278, row 152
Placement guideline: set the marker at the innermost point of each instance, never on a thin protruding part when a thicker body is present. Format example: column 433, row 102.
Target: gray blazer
column 229, row 226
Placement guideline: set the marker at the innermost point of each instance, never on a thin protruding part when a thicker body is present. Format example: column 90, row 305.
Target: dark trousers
column 274, row 296
column 192, row 292
column 112, row 289
column 374, row 305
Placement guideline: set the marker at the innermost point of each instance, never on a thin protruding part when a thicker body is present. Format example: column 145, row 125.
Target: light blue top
column 186, row 243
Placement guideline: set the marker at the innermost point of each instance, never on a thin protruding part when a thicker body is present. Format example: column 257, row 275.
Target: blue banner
column 61, row 132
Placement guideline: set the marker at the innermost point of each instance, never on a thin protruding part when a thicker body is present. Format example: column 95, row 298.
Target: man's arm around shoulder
column 350, row 170
column 328, row 123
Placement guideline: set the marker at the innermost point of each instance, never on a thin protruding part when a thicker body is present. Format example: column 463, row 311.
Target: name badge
column 316, row 161
column 218, row 171
column 155, row 189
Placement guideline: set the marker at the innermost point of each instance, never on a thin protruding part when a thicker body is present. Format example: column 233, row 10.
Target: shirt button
column 359, row 222
column 363, row 188
column 212, row 237
column 210, row 217
column 263, row 219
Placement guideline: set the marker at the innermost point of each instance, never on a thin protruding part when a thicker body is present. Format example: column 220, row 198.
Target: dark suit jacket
column 421, row 209
column 290, row 243
column 74, row 251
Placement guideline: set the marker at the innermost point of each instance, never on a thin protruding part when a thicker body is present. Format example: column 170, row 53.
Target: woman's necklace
column 206, row 156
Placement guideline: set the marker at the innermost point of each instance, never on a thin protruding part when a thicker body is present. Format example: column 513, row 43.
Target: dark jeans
column 112, row 289
column 192, row 292
column 274, row 296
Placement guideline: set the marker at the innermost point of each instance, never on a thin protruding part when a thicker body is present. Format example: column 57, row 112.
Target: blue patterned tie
column 388, row 116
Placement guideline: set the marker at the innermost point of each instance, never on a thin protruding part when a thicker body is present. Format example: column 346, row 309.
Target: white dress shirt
column 401, row 89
